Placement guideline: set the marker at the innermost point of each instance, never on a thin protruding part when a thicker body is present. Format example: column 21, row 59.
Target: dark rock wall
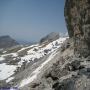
column 77, row 16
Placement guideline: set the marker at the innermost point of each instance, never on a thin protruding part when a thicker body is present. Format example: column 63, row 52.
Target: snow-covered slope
column 36, row 72
column 14, row 61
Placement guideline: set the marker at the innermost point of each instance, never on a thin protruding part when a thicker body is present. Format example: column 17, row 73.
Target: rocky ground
column 67, row 72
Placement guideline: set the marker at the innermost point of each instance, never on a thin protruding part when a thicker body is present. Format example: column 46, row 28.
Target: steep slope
column 22, row 61
column 69, row 67
column 7, row 41
column 77, row 15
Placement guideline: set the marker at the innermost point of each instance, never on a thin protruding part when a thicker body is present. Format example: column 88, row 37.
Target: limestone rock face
column 77, row 16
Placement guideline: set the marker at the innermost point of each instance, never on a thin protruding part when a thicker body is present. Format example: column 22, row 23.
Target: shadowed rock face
column 77, row 16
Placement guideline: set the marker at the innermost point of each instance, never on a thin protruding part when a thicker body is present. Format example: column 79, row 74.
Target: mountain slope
column 7, row 41
column 63, row 64
column 50, row 37
column 71, row 71
column 22, row 61
column 69, row 66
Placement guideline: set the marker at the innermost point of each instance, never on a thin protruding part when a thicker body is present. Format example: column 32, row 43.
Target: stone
column 77, row 16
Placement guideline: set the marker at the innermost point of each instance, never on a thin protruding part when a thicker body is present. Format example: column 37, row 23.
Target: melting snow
column 9, row 79
column 27, row 47
column 6, row 71
column 13, row 54
column 38, row 51
column 2, row 58
column 4, row 51
column 36, row 72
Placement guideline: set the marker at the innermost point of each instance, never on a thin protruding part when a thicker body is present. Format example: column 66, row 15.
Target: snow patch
column 6, row 71
column 38, row 51
column 9, row 79
column 36, row 72
column 12, row 54
column 4, row 51
column 27, row 47
column 2, row 58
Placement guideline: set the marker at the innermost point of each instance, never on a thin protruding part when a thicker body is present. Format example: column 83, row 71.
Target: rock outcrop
column 77, row 16
column 50, row 37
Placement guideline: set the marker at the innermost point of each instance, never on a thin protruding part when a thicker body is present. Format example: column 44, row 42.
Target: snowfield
column 39, row 51
column 6, row 71
column 36, row 72
column 2, row 58
column 32, row 52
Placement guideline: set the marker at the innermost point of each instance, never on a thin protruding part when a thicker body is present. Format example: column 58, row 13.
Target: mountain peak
column 6, row 41
column 50, row 37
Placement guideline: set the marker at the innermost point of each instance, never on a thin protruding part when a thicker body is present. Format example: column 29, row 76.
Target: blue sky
column 30, row 20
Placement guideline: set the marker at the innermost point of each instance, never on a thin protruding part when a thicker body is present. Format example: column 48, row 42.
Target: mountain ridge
column 6, row 41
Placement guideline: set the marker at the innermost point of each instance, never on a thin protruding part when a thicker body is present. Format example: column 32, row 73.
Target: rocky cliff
column 77, row 16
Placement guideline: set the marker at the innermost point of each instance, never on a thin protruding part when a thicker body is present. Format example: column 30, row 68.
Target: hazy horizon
column 30, row 20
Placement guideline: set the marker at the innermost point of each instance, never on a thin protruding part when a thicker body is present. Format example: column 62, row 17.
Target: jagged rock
column 74, row 65
column 77, row 16
column 65, row 85
column 65, row 45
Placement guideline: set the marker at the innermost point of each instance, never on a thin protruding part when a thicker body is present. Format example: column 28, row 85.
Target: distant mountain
column 6, row 41
column 50, row 37
column 22, row 42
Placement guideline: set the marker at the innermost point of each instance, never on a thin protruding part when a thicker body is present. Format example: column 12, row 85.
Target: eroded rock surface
column 77, row 16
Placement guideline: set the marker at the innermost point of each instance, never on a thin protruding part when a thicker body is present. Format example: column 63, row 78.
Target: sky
column 30, row 20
